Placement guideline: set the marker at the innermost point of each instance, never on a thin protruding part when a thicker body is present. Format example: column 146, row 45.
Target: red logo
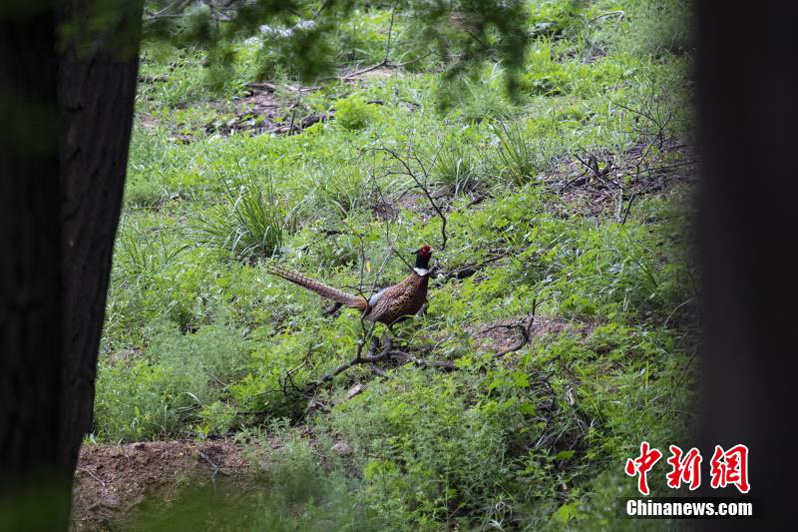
column 726, row 467
column 642, row 465
column 684, row 468
column 730, row 467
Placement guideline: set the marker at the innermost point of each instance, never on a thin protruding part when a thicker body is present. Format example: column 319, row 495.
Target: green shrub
column 353, row 113
column 546, row 83
column 342, row 186
column 162, row 390
column 658, row 28
column 428, row 453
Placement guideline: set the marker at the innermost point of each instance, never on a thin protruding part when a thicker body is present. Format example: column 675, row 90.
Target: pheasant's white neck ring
column 422, row 261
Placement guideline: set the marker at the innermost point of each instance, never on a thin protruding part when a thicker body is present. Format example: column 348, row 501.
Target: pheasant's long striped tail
column 323, row 290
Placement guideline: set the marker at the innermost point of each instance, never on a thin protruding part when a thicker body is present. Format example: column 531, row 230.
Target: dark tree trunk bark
column 67, row 111
column 748, row 110
column 31, row 357
column 96, row 96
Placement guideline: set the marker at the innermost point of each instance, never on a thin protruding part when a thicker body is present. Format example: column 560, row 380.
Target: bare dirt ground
column 501, row 335
column 273, row 109
column 601, row 183
column 111, row 481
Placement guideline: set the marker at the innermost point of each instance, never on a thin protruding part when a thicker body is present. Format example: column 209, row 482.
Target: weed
column 343, row 187
column 353, row 113
column 251, row 221
column 196, row 343
column 143, row 256
column 164, row 392
column 521, row 162
column 456, row 169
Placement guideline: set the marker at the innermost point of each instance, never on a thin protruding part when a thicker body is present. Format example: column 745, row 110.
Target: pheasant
column 386, row 306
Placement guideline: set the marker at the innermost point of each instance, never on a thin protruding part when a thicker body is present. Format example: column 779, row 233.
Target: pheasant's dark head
column 423, row 255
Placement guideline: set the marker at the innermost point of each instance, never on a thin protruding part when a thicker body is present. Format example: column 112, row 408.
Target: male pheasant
column 386, row 306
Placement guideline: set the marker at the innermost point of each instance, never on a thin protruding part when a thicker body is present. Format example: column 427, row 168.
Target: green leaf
column 564, row 455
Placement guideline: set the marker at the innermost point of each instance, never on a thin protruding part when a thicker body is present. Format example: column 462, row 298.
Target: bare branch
column 408, row 170
column 390, row 31
column 619, row 14
column 359, row 359
column 524, row 328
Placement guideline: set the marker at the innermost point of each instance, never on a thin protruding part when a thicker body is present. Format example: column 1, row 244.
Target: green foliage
column 554, row 18
column 353, row 113
column 162, row 392
column 456, row 168
column 307, row 33
column 476, row 100
column 659, row 28
column 520, row 160
column 343, row 186
column 251, row 221
column 429, row 453
column 142, row 256
column 197, row 343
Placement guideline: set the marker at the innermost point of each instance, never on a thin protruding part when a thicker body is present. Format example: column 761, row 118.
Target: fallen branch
column 464, row 272
column 359, row 359
column 296, row 127
column 214, row 465
column 366, row 70
column 92, row 475
column 524, row 328
column 152, row 79
column 619, row 14
column 592, row 166
column 445, row 365
column 263, row 87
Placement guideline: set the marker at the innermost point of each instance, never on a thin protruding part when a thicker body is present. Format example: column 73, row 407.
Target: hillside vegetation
column 560, row 327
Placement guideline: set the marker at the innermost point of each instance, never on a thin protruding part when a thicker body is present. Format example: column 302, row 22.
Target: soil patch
column 500, row 335
column 603, row 183
column 111, row 481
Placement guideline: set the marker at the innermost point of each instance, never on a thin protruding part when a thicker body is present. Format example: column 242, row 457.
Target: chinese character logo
column 642, row 465
column 684, row 468
column 726, row 467
column 730, row 467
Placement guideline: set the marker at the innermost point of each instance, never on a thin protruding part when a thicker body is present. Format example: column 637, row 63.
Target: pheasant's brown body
column 399, row 300
column 386, row 306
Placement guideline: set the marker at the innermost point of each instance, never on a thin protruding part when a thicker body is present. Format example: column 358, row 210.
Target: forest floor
column 112, row 481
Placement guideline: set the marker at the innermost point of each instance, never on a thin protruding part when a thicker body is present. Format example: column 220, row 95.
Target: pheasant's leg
column 423, row 309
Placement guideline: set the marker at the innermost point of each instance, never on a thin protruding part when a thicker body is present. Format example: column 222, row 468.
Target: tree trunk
column 63, row 168
column 748, row 79
column 96, row 97
column 31, row 356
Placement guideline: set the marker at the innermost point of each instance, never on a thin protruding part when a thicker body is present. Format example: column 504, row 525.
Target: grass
column 457, row 169
column 199, row 338
column 250, row 222
column 341, row 187
column 519, row 160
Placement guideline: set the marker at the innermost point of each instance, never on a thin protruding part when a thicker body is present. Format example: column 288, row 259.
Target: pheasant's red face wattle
column 422, row 257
